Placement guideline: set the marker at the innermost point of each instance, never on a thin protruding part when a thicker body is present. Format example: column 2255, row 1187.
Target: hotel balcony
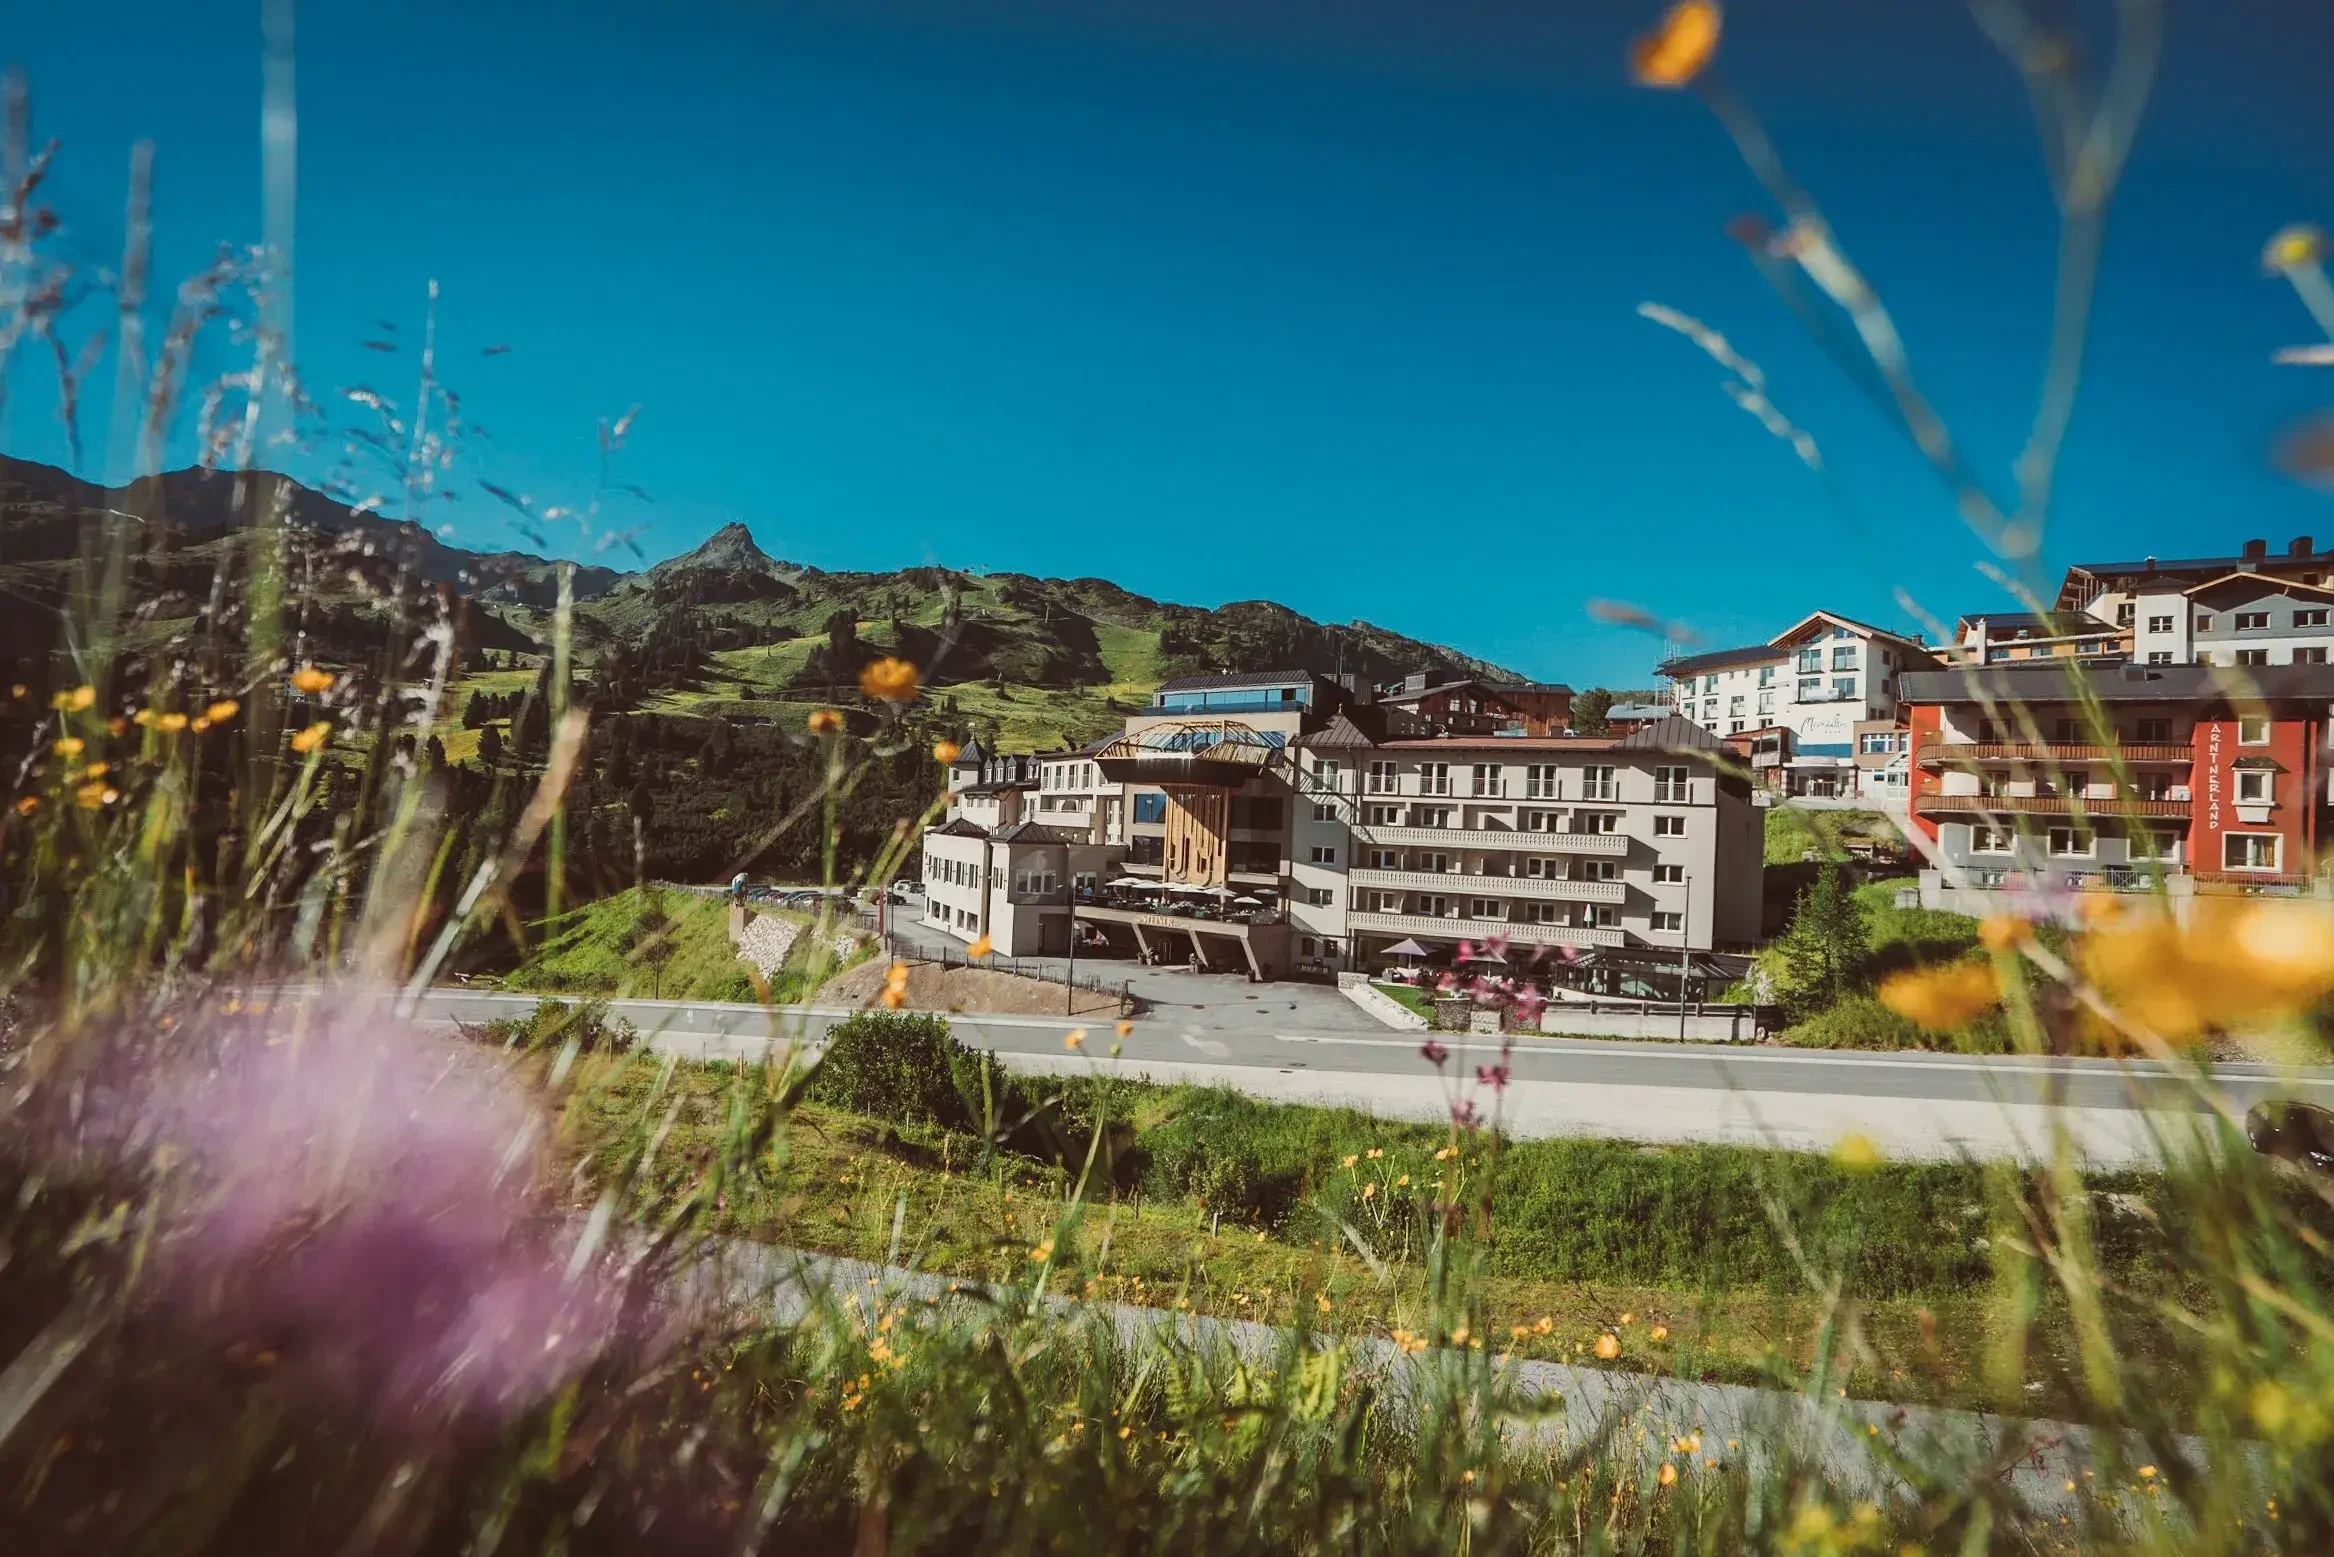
column 1484, row 929
column 1607, row 844
column 2046, row 805
column 1458, row 883
column 1934, row 754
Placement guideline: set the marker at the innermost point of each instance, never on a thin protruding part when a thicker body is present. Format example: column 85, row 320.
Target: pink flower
column 1492, row 1076
column 1464, row 1114
column 1433, row 1052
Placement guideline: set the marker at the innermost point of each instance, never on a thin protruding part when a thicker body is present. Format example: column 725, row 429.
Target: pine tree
column 1826, row 947
column 1589, row 711
column 490, row 746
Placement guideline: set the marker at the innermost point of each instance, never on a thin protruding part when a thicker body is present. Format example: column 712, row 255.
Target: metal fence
column 1045, row 971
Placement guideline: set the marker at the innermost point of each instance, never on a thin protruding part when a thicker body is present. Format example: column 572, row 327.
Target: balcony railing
column 1942, row 754
column 2046, row 805
column 1482, row 929
column 1479, row 838
column 1458, row 883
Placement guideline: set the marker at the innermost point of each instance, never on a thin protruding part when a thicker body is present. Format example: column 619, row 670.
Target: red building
column 2114, row 777
column 1470, row 707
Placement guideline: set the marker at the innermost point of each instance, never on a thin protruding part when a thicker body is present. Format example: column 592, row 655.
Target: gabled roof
column 2263, row 583
column 1638, row 711
column 1837, row 620
column 1235, row 680
column 1364, row 725
column 970, row 754
column 961, row 827
column 1671, row 734
column 1034, row 832
column 1717, row 659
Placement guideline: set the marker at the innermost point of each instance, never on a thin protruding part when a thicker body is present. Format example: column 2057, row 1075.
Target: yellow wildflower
column 68, row 746
column 1543, row 1324
column 1348, row 1160
column 1629, row 1318
column 1124, row 1028
column 1661, row 1332
column 1678, row 50
column 308, row 740
column 889, row 680
column 1942, row 998
column 979, row 948
column 1323, row 1301
column 1856, row 1153
column 171, row 723
column 2233, row 963
column 1043, row 1252
column 81, row 697
column 201, row 723
column 1669, row 1474
column 896, row 976
column 1374, row 1153
column 1075, row 1038
column 223, row 710
column 92, row 795
column 310, row 680
column 1608, row 1346
column 97, row 770
column 26, row 805
column 2003, row 932
column 944, row 752
column 893, row 999
column 1402, row 1182
column 824, row 721
column 1369, row 1191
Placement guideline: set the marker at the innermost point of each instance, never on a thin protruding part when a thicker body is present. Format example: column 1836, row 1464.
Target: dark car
column 2298, row 1132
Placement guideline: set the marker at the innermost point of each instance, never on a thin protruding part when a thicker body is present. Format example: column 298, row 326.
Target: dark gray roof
column 2275, row 559
column 1035, row 832
column 970, row 754
column 961, row 827
column 1365, row 724
column 1234, row 680
column 1671, row 734
column 1638, row 711
column 2056, row 682
column 1718, row 659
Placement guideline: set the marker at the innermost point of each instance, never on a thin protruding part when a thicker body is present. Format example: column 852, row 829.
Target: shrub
column 904, row 1066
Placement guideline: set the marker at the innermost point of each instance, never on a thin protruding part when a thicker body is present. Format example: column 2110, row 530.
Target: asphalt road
column 1913, row 1105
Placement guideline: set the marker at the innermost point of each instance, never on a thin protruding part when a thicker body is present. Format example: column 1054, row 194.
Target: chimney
column 2256, row 550
column 2301, row 547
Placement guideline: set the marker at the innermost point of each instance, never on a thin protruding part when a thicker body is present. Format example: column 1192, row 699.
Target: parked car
column 2300, row 1133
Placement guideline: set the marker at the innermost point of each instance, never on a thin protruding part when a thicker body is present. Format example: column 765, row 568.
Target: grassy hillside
column 662, row 945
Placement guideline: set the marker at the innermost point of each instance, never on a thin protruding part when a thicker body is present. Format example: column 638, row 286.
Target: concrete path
column 1910, row 1105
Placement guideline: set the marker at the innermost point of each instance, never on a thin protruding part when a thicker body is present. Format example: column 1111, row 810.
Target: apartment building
column 1804, row 694
column 2200, row 779
column 1471, row 707
column 2110, row 591
column 2004, row 637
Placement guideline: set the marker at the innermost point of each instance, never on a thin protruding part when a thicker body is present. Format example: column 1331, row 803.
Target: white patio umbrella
column 1144, row 882
column 1247, row 902
column 1405, row 949
column 1213, row 891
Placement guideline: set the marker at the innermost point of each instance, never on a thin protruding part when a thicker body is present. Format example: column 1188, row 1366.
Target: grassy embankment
column 1704, row 1261
column 671, row 946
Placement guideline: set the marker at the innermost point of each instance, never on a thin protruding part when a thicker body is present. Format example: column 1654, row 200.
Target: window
column 1810, row 660
column 1669, row 784
column 1547, row 913
column 1385, row 859
column 1597, row 822
column 1151, row 806
column 1845, row 688
column 1734, row 706
column 1552, row 870
column 2255, row 786
column 1710, row 682
column 2249, row 851
column 1381, row 780
column 1668, row 875
column 1875, row 743
column 1430, row 816
column 2154, row 732
column 1598, row 870
column 1384, row 816
column 2069, row 842
column 1989, row 840
column 1487, row 908
column 1324, row 854
column 1434, row 778
column 1598, row 784
column 1541, row 822
column 1669, row 827
column 2310, row 616
column 2252, row 730
column 2159, row 656
column 1323, row 811
column 1844, row 657
column 1603, row 915
column 1435, row 863
column 1328, row 774
column 1766, row 675
column 2309, row 656
column 1540, row 782
column 1710, row 709
column 2204, row 621
column 1664, row 921
column 1487, row 780
column 2159, row 624
column 1320, row 897
column 1810, row 690
column 1434, row 906
column 2252, row 621
column 2125, row 612
column 2252, row 656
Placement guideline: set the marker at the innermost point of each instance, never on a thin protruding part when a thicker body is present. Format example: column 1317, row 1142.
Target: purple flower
column 1492, row 1076
column 1464, row 1114
column 1529, row 1000
column 1433, row 1052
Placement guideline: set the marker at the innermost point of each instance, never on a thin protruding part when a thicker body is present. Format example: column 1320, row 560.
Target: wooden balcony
column 1934, row 754
column 2046, row 805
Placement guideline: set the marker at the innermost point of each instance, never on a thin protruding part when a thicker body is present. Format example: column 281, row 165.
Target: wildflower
column 67, row 746
column 201, row 723
column 1459, row 1336
column 308, row 740
column 889, row 680
column 2147, row 1473
column 1608, row 1346
column 26, row 805
column 18, row 689
column 223, row 710
column 1402, row 1182
column 824, row 721
column 1374, row 1153
column 896, row 976
column 2237, row 963
column 944, row 752
column 1369, row 1191
column 171, row 724
column 1124, row 1029
column 2292, row 248
column 893, row 999
column 142, row 718
column 1661, row 1333
column 1542, row 1325
column 1942, row 998
column 1043, row 1251
column 1445, row 1154
column 1075, row 1038
column 1323, row 1301
column 81, row 697
column 1678, row 50
column 92, row 795
column 1492, row 1076
column 97, row 770
column 312, row 681
column 1464, row 1114
column 1349, row 1160
column 1518, row 1332
column 1856, row 1153
column 2004, row 932
column 1629, row 1317
column 1433, row 1052
column 1669, row 1474
column 978, row 949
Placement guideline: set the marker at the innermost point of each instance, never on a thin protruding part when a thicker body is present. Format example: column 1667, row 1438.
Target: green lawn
column 604, row 948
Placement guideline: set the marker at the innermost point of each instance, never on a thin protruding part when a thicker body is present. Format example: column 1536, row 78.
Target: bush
column 904, row 1066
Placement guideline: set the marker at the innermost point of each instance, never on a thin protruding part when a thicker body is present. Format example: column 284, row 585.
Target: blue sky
column 1325, row 303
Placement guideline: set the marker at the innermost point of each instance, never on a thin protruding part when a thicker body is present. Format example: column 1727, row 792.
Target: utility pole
column 1070, row 978
column 1685, row 952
